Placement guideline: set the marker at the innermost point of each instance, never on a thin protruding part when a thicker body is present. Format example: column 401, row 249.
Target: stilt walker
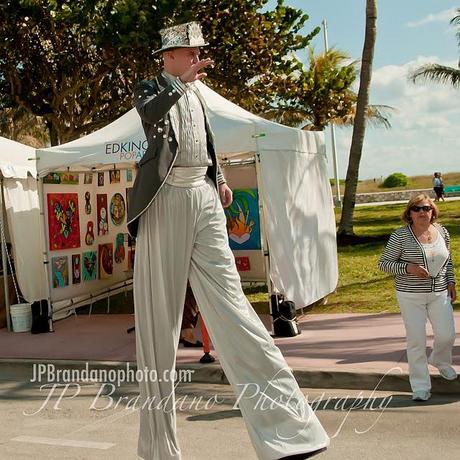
column 176, row 212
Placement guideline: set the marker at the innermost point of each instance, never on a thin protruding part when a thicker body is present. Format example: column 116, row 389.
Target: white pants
column 415, row 309
column 183, row 235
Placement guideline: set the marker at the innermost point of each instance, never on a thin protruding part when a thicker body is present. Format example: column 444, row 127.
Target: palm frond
column 437, row 73
column 286, row 116
column 377, row 116
column 456, row 19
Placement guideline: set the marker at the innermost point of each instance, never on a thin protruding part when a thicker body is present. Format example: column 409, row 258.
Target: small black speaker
column 284, row 317
column 40, row 317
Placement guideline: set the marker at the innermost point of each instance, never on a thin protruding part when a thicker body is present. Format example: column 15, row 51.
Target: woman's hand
column 451, row 291
column 418, row 271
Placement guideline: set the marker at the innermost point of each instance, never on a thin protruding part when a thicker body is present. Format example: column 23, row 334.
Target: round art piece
column 117, row 209
column 107, row 259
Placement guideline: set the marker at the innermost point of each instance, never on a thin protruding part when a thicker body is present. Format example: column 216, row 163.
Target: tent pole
column 263, row 233
column 41, row 198
column 4, row 265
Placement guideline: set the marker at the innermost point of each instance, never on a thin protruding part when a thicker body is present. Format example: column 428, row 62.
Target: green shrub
column 395, row 180
column 341, row 182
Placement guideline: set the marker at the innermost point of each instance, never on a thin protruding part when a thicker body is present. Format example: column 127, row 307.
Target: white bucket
column 21, row 317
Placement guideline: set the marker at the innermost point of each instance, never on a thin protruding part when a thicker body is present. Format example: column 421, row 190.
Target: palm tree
column 440, row 73
column 359, row 127
column 325, row 96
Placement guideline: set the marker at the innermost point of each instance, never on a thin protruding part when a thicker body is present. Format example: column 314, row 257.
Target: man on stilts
column 176, row 212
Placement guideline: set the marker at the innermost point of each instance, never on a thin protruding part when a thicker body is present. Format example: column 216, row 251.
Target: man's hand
column 193, row 73
column 226, row 195
column 452, row 292
column 418, row 271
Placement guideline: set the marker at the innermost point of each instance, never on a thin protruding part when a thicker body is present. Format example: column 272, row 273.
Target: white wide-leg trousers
column 183, row 236
column 415, row 309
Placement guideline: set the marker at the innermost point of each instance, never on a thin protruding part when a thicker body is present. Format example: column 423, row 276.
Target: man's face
column 181, row 59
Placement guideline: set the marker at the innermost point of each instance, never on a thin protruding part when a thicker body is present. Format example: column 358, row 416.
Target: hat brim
column 166, row 48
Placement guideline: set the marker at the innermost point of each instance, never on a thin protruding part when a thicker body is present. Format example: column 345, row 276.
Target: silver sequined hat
column 188, row 35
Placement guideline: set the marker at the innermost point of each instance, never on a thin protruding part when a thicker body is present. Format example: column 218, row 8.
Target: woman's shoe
column 423, row 395
column 303, row 456
column 447, row 372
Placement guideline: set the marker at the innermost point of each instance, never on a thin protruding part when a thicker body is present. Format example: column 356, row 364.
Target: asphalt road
column 36, row 424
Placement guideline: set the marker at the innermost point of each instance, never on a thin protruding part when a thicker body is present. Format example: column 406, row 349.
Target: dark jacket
column 153, row 99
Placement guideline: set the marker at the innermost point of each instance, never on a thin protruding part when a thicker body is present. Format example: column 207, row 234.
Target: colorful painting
column 114, row 175
column 88, row 178
column 60, row 271
column 52, row 178
column 89, row 266
column 129, row 175
column 62, row 178
column 117, row 209
column 102, row 218
column 100, row 179
column 88, row 203
column 63, row 221
column 242, row 264
column 120, row 248
column 105, row 260
column 76, row 268
column 243, row 223
column 89, row 237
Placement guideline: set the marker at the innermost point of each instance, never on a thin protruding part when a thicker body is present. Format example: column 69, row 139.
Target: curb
column 392, row 380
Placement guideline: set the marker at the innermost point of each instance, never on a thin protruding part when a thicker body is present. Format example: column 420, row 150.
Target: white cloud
column 443, row 16
column 423, row 134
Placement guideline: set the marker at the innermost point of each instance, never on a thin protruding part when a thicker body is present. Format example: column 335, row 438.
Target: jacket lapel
column 173, row 111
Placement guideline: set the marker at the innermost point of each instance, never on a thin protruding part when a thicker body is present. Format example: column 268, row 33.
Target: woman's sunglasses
column 421, row 208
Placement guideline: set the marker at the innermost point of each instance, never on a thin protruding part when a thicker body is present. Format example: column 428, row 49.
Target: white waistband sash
column 192, row 176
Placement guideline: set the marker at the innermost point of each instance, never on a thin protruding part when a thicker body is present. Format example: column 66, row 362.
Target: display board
column 86, row 234
column 244, row 223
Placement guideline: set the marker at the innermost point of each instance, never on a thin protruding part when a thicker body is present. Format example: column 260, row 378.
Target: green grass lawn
column 362, row 287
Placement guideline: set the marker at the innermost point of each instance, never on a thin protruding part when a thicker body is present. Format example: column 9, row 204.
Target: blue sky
column 424, row 136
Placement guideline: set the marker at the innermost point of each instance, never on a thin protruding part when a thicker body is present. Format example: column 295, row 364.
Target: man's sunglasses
column 421, row 208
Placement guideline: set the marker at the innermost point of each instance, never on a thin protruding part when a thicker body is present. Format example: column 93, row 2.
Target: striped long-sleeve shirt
column 402, row 249
column 192, row 142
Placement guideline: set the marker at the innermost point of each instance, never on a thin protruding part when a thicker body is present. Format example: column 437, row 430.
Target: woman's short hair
column 405, row 216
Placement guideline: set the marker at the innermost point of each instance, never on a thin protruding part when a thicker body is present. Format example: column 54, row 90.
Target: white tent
column 19, row 189
column 293, row 183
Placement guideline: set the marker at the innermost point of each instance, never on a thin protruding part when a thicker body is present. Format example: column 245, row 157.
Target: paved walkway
column 382, row 203
column 333, row 350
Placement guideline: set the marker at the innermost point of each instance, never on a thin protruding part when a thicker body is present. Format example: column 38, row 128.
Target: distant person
column 189, row 320
column 438, row 186
column 442, row 186
column 418, row 254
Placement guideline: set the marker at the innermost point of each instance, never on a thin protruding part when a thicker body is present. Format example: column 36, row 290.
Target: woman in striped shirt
column 418, row 254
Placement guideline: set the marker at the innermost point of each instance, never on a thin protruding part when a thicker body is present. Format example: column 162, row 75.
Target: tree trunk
column 359, row 126
column 54, row 134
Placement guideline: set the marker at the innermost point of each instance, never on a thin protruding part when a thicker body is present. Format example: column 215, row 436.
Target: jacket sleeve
column 153, row 106
column 449, row 268
column 390, row 260
column 220, row 175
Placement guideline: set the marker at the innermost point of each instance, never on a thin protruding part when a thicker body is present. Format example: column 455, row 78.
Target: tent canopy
column 237, row 133
column 16, row 160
